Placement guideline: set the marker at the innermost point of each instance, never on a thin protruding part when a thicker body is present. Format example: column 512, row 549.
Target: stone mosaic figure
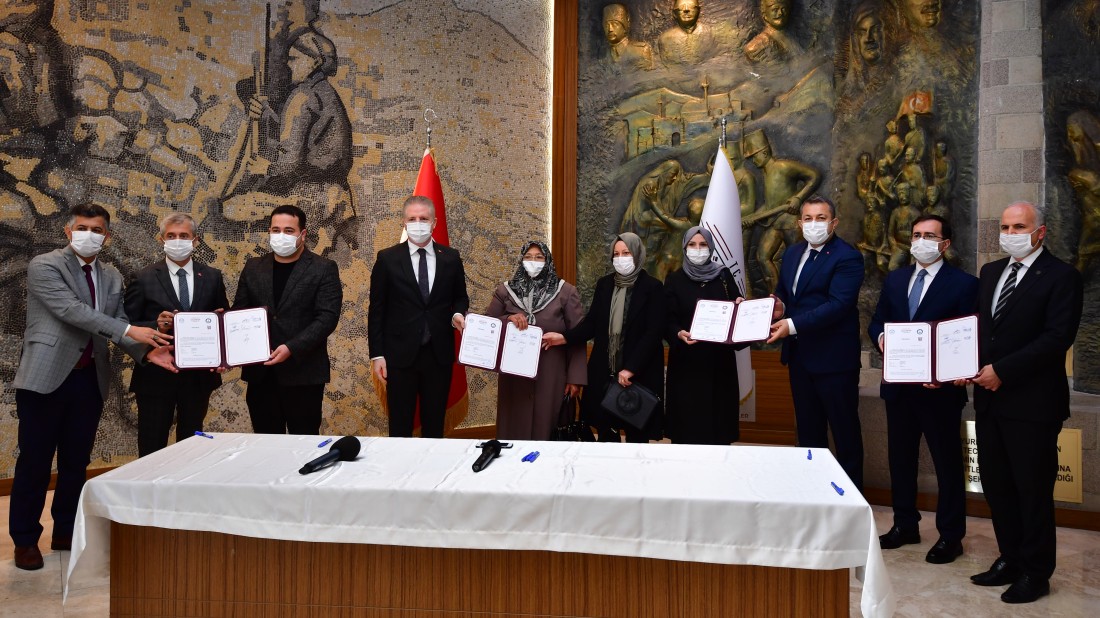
column 774, row 44
column 689, row 41
column 787, row 183
column 622, row 50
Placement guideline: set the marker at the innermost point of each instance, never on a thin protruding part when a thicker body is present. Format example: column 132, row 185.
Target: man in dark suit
column 929, row 291
column 175, row 283
column 74, row 306
column 818, row 321
column 303, row 296
column 1030, row 308
column 417, row 298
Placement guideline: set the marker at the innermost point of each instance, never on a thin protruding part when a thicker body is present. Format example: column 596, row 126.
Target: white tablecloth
column 768, row 506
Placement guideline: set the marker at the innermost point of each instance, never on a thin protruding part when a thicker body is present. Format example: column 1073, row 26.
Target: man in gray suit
column 74, row 306
column 303, row 296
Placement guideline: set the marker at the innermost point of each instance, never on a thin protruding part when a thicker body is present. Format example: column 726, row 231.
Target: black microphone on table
column 489, row 451
column 344, row 449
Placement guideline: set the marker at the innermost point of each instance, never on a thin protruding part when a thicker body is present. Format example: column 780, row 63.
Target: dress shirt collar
column 932, row 268
column 1029, row 260
column 430, row 247
column 189, row 268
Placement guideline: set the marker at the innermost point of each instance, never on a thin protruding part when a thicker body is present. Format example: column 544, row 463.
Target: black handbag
column 633, row 405
column 569, row 429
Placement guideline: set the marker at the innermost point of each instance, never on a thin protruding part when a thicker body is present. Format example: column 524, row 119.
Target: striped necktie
column 1006, row 291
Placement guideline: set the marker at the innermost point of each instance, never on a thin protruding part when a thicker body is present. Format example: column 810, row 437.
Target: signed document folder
column 206, row 340
column 489, row 343
column 723, row 321
column 930, row 352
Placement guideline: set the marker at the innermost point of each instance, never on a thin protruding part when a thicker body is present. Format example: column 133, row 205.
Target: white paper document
column 197, row 340
column 712, row 320
column 246, row 336
column 753, row 320
column 907, row 352
column 521, row 351
column 480, row 341
column 957, row 349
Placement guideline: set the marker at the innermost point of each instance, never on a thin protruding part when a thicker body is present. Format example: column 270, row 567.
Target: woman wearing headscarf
column 703, row 396
column 625, row 323
column 535, row 295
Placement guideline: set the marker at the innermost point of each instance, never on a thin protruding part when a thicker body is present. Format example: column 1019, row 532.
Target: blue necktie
column 914, row 294
column 185, row 294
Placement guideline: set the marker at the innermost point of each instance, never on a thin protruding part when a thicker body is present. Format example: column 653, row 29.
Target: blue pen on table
column 325, row 443
column 531, row 457
column 809, row 454
column 837, row 488
column 203, row 435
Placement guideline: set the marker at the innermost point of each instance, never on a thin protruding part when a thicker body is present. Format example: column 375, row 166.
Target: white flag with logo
column 722, row 216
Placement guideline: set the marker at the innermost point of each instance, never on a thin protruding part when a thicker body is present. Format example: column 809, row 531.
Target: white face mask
column 419, row 231
column 1016, row 245
column 87, row 243
column 925, row 250
column 533, row 267
column 623, row 265
column 697, row 256
column 815, row 232
column 284, row 245
column 178, row 249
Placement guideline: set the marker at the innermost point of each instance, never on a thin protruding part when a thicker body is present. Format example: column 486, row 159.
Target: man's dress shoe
column 1000, row 574
column 944, row 551
column 1026, row 589
column 897, row 537
column 28, row 558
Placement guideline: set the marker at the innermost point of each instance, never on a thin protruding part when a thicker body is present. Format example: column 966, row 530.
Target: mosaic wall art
column 143, row 106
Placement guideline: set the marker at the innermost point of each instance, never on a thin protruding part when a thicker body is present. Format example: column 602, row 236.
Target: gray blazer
column 60, row 319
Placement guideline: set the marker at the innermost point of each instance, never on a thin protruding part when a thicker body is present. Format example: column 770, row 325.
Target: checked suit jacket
column 60, row 319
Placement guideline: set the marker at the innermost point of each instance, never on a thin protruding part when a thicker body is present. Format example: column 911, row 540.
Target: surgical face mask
column 178, row 249
column 815, row 232
column 284, row 245
column 697, row 256
column 419, row 231
column 87, row 243
column 1016, row 245
column 623, row 265
column 925, row 250
column 533, row 267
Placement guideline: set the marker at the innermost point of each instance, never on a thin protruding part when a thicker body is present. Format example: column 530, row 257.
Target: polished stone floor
column 922, row 589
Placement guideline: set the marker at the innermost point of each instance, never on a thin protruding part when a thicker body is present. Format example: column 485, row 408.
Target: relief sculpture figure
column 787, row 183
column 900, row 227
column 662, row 190
column 621, row 48
column 689, row 41
column 943, row 169
column 867, row 71
column 774, row 44
column 1083, row 137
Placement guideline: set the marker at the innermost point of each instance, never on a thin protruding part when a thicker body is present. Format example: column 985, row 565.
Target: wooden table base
column 160, row 572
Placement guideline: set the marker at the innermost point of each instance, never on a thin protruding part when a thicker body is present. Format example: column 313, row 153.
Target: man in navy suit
column 929, row 291
column 417, row 299
column 175, row 283
column 818, row 321
column 1029, row 310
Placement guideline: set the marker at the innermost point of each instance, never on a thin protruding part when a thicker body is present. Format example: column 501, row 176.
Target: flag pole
column 429, row 123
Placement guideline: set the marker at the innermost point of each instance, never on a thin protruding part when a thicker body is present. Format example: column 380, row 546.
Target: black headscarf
column 532, row 294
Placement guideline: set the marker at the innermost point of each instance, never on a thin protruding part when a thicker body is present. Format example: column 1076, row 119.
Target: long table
column 655, row 509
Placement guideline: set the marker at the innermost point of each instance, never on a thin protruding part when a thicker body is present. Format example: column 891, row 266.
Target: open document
column 206, row 340
column 930, row 352
column 496, row 345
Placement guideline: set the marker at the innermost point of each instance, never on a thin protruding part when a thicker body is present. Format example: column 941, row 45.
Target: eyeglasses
column 926, row 236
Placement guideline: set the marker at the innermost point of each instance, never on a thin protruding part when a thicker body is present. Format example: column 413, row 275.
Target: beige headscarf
column 619, row 298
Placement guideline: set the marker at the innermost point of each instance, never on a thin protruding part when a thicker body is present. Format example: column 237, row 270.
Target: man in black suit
column 1030, row 308
column 929, row 291
column 176, row 283
column 818, row 289
column 303, row 296
column 417, row 298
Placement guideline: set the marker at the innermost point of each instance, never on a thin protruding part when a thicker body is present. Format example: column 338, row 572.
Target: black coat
column 397, row 311
column 152, row 292
column 703, row 393
column 306, row 315
column 643, row 353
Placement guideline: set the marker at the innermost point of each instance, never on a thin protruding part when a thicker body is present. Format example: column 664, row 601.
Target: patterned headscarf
column 532, row 294
column 709, row 269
